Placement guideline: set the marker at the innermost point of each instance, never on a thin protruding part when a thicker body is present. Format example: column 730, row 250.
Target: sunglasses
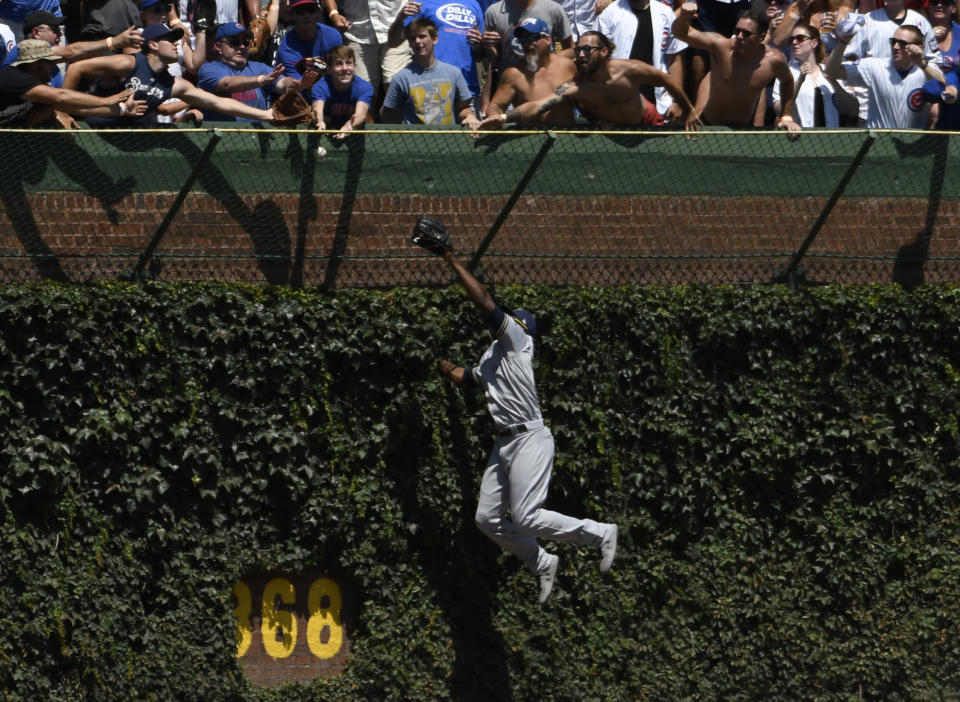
column 236, row 43
column 305, row 9
column 586, row 49
column 527, row 37
column 745, row 33
column 161, row 9
column 903, row 44
column 944, row 3
column 799, row 38
column 56, row 30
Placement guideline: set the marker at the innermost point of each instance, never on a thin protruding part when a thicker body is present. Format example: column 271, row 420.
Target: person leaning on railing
column 233, row 75
column 147, row 73
column 25, row 98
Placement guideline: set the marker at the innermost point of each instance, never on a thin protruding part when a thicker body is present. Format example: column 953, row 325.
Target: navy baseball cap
column 231, row 29
column 527, row 321
column 41, row 17
column 531, row 25
column 158, row 32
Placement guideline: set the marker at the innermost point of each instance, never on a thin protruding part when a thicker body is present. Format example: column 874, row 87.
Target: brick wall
column 318, row 240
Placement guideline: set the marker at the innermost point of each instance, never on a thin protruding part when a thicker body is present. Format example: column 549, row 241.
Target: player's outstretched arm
column 477, row 293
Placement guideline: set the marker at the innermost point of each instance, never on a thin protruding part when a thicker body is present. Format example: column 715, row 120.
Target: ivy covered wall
column 784, row 468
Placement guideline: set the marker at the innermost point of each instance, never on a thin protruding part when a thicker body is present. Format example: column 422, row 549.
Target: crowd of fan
column 483, row 64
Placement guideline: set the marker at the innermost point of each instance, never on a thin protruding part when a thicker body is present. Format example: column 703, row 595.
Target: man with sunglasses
column 307, row 38
column 741, row 67
column 233, row 75
column 607, row 92
column 46, row 26
column 894, row 85
column 536, row 79
column 873, row 38
column 643, row 30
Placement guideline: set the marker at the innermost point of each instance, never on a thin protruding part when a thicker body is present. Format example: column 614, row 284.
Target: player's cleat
column 547, row 577
column 608, row 549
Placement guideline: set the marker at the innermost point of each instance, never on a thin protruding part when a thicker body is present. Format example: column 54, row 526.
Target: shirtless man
column 741, row 67
column 535, row 79
column 607, row 91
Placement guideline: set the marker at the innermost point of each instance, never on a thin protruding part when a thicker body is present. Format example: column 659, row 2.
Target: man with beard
column 535, row 79
column 741, row 67
column 607, row 92
column 641, row 30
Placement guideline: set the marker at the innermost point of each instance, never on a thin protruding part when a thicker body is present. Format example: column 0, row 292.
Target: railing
column 297, row 207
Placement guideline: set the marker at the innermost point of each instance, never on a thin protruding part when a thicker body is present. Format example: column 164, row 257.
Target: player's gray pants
column 516, row 479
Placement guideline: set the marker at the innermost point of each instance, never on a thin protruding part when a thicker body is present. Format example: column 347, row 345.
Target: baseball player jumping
column 521, row 461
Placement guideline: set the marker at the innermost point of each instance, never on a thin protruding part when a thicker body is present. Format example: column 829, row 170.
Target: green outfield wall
column 560, row 207
column 213, row 492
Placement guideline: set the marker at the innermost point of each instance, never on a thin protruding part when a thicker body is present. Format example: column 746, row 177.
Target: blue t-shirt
column 212, row 72
column 949, row 117
column 428, row 95
column 17, row 10
column 453, row 19
column 337, row 106
column 292, row 48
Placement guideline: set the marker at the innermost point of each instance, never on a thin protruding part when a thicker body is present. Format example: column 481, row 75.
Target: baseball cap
column 527, row 320
column 160, row 31
column 531, row 25
column 40, row 17
column 303, row 3
column 231, row 29
column 30, row 50
column 144, row 4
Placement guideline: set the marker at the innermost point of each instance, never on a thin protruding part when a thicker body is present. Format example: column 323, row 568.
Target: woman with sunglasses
column 819, row 101
column 945, row 112
column 947, row 32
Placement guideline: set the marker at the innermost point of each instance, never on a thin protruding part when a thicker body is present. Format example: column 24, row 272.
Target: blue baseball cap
column 160, row 31
column 144, row 4
column 231, row 29
column 531, row 25
column 527, row 321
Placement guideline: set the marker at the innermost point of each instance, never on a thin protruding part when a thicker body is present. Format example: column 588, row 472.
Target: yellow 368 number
column 279, row 627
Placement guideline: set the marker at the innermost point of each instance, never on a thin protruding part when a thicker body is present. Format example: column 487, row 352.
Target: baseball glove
column 314, row 63
column 430, row 234
column 260, row 29
column 291, row 108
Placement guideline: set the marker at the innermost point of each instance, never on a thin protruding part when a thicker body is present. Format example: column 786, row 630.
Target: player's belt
column 515, row 429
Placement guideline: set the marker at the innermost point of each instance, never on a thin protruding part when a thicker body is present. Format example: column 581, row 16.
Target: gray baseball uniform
column 518, row 470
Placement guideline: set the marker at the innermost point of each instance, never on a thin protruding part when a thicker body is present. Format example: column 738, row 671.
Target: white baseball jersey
column 894, row 100
column 505, row 372
column 803, row 105
column 619, row 23
column 873, row 39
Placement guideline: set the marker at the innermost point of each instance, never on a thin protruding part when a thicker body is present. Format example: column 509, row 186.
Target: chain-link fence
column 572, row 207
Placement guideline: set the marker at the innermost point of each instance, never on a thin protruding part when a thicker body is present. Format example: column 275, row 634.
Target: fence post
column 508, row 206
column 791, row 274
column 137, row 273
